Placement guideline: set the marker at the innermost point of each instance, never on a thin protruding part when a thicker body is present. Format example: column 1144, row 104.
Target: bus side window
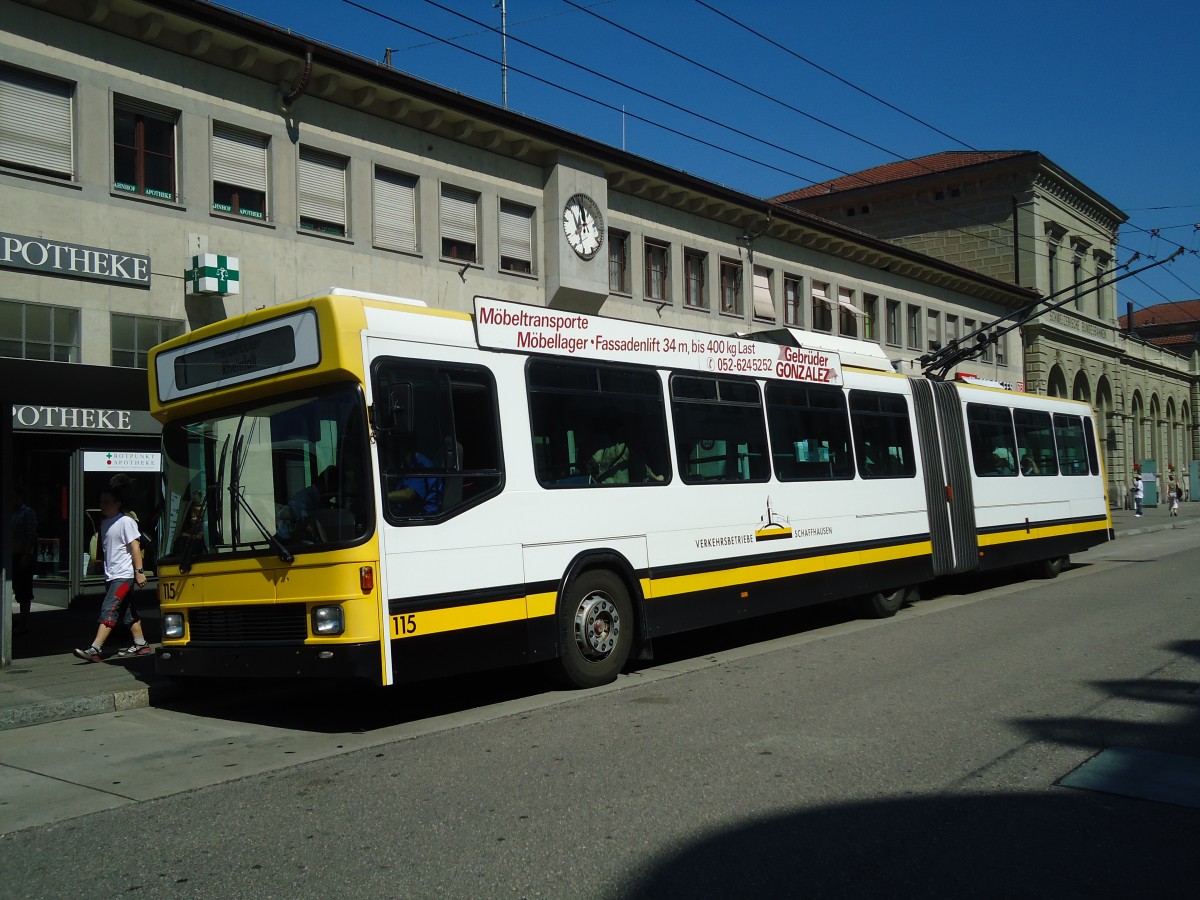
column 596, row 425
column 451, row 457
column 721, row 434
column 993, row 448
column 1035, row 440
column 882, row 434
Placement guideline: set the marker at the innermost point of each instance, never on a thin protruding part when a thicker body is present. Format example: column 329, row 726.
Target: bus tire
column 595, row 629
column 882, row 604
column 1050, row 568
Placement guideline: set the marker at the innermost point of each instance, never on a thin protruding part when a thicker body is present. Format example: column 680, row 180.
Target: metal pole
column 503, row 4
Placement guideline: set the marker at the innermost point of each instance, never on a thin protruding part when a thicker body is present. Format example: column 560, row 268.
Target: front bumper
column 272, row 661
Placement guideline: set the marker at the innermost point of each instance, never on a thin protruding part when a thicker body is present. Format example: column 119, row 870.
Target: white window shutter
column 764, row 303
column 239, row 158
column 516, row 231
column 395, row 212
column 322, row 187
column 459, row 220
column 36, row 125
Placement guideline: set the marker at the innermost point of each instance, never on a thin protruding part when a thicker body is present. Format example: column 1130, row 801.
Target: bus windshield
column 284, row 477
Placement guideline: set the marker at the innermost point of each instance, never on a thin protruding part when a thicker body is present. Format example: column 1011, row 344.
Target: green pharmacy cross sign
column 213, row 274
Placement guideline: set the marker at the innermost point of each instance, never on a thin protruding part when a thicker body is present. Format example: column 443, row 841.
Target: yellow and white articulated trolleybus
column 358, row 485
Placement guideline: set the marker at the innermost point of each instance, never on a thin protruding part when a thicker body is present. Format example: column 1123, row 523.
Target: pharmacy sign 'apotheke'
column 20, row 251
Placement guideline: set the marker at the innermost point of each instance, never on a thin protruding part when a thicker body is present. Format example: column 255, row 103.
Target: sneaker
column 1137, row 515
column 91, row 654
column 135, row 650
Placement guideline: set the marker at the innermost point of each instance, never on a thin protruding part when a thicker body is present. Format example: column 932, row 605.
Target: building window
column 133, row 336
column 239, row 171
column 36, row 124
column 1077, row 278
column 848, row 313
column 764, row 297
column 933, row 329
column 459, row 222
column 1052, row 265
column 144, row 149
column 1079, row 250
column 870, row 317
column 914, row 327
column 969, row 331
column 793, row 291
column 822, row 312
column 656, row 270
column 516, row 237
column 893, row 322
column 394, row 211
column 34, row 331
column 731, row 287
column 322, row 179
column 1002, row 350
column 694, row 263
column 951, row 329
column 618, row 261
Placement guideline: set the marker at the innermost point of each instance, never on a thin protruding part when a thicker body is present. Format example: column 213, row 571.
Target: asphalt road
column 809, row 755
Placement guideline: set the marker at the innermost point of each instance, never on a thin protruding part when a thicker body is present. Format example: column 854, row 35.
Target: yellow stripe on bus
column 749, row 574
column 541, row 605
column 1039, row 532
column 456, row 618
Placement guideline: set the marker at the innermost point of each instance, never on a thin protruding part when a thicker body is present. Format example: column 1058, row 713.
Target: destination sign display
column 248, row 354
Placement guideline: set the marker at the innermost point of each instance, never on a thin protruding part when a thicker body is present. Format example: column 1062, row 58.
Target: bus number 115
column 404, row 625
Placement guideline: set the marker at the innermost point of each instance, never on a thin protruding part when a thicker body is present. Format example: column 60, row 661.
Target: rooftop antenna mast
column 503, row 5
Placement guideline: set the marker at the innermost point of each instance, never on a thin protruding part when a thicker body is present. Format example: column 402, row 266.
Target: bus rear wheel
column 1050, row 568
column 595, row 629
column 881, row 604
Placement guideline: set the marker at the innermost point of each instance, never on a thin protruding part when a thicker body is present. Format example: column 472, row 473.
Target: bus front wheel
column 595, row 629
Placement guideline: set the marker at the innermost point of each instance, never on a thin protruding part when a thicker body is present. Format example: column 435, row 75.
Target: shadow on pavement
column 1067, row 844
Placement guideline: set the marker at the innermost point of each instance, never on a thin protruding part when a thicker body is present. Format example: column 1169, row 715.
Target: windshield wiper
column 241, row 450
column 196, row 537
column 276, row 545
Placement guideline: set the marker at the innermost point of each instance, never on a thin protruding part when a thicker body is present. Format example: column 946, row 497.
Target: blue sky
column 1108, row 91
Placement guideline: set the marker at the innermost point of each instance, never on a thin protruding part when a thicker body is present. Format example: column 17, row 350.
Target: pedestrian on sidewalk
column 24, row 548
column 1139, row 494
column 1176, row 495
column 121, row 549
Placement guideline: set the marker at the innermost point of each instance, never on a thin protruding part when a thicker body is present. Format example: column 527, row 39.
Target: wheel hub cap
column 597, row 624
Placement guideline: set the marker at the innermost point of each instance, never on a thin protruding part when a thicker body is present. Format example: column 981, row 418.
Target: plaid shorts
column 118, row 604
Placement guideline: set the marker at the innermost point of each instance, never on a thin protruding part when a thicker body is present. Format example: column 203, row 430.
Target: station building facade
column 167, row 164
column 1018, row 217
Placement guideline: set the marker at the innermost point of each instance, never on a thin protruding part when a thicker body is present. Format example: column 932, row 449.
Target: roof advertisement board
column 500, row 325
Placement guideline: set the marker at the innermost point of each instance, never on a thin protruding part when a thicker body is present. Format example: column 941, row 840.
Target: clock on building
column 583, row 225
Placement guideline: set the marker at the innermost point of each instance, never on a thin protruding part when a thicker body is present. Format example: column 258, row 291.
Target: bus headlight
column 328, row 620
column 172, row 626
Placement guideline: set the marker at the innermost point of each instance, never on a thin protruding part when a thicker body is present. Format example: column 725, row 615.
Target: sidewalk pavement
column 46, row 682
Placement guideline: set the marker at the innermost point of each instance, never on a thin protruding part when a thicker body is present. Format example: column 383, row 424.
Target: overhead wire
column 692, row 137
column 788, row 50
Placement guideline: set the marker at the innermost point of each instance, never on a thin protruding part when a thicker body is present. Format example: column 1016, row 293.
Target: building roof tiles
column 946, row 161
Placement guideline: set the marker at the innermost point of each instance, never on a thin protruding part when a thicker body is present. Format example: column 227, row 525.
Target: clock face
column 583, row 225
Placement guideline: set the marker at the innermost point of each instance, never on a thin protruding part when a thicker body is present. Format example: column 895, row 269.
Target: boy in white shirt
column 120, row 538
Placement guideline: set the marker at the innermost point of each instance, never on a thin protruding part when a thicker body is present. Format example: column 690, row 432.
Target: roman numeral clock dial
column 583, row 226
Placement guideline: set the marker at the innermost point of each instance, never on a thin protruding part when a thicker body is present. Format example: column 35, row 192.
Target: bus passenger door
column 944, row 461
